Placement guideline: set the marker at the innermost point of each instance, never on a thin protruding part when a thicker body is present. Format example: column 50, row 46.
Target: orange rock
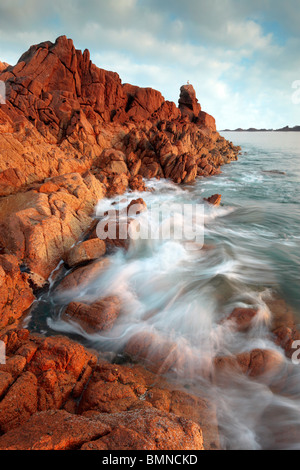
column 6, row 379
column 256, row 363
column 241, row 318
column 53, row 430
column 148, row 429
column 86, row 251
column 39, row 229
column 215, row 200
column 19, row 402
column 82, row 276
column 16, row 295
column 141, row 429
column 98, row 316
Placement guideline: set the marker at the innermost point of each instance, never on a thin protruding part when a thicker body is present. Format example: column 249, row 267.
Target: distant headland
column 252, row 129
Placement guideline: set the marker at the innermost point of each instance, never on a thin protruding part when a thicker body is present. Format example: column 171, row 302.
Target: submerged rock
column 95, row 317
column 214, row 200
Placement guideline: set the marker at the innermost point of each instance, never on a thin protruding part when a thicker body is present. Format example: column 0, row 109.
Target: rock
column 53, row 430
column 282, row 313
column 16, row 295
column 6, row 380
column 64, row 114
column 14, row 365
column 39, row 229
column 160, row 354
column 3, row 66
column 88, row 250
column 116, row 229
column 61, row 374
column 137, row 183
column 142, row 102
column 256, row 363
column 205, row 120
column 214, row 200
column 241, row 318
column 141, row 429
column 19, row 402
column 136, row 207
column 188, row 103
column 98, row 316
column 148, row 429
column 60, row 366
column 82, row 276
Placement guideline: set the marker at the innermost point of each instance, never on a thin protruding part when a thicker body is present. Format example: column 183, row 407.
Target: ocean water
column 180, row 291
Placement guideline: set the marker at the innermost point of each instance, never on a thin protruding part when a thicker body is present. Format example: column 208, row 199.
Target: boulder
column 147, row 429
column 214, row 200
column 241, row 318
column 88, row 250
column 95, row 317
column 40, row 228
column 16, row 295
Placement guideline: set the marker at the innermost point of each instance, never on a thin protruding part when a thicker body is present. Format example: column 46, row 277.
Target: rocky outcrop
column 214, row 200
column 67, row 398
column 94, row 317
column 3, row 66
column 39, row 226
column 63, row 114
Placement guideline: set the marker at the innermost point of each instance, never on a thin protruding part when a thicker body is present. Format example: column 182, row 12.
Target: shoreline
column 61, row 152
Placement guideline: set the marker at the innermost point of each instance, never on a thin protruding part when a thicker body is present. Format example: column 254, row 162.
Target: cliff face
column 63, row 113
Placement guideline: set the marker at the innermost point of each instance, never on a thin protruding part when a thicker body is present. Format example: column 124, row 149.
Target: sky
column 242, row 57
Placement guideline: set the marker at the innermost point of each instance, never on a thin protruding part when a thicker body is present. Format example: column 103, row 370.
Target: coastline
column 68, row 396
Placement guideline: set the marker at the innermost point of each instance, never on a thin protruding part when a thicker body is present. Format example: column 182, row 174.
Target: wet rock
column 82, row 276
column 241, row 318
column 64, row 115
column 53, row 430
column 95, row 317
column 148, row 429
column 88, row 250
column 140, row 429
column 188, row 103
column 214, row 200
column 40, row 228
column 256, row 363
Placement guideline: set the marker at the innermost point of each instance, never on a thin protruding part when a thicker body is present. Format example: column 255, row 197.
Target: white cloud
column 241, row 56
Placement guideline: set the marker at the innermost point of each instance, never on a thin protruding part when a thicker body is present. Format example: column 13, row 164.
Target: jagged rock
column 40, row 228
column 82, row 276
column 64, row 114
column 97, row 316
column 256, row 363
column 214, row 200
column 3, row 66
column 241, row 318
column 140, row 429
column 61, row 373
column 16, row 295
column 88, row 250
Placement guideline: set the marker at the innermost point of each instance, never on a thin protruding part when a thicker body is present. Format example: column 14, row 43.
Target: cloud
column 241, row 56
